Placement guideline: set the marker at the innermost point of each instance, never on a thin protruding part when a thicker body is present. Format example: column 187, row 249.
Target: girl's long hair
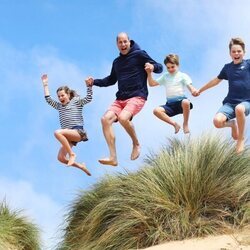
column 72, row 93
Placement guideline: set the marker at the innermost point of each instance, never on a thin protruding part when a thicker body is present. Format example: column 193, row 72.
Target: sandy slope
column 240, row 241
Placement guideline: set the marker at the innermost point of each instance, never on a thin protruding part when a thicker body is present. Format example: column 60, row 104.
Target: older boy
column 237, row 102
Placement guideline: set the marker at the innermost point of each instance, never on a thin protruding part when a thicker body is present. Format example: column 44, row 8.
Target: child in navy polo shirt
column 237, row 102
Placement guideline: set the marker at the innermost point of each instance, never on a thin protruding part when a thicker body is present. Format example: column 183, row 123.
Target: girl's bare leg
column 64, row 136
column 62, row 158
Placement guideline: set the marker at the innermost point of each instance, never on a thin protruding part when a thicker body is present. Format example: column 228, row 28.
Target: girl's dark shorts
column 174, row 108
column 82, row 133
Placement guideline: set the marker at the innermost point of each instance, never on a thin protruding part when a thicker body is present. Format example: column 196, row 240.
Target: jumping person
column 177, row 103
column 237, row 102
column 128, row 70
column 70, row 108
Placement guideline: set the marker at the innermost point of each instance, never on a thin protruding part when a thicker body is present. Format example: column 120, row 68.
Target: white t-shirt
column 174, row 83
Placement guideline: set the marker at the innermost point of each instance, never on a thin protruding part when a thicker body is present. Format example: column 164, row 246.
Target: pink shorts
column 132, row 105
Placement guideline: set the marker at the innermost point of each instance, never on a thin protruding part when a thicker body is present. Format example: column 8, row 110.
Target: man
column 128, row 70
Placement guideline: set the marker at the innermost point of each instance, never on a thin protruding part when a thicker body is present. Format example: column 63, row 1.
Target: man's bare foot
column 135, row 152
column 72, row 158
column 108, row 161
column 177, row 128
column 240, row 146
column 82, row 166
column 186, row 129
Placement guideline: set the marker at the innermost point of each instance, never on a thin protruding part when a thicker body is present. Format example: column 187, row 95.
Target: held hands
column 89, row 81
column 149, row 67
column 196, row 92
column 45, row 80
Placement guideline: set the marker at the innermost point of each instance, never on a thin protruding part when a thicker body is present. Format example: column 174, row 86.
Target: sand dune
column 237, row 241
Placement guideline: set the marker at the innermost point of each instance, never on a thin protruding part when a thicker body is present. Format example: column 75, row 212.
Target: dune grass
column 16, row 231
column 189, row 188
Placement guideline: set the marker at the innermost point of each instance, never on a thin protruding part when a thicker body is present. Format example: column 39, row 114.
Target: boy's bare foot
column 240, row 146
column 72, row 158
column 177, row 128
column 135, row 152
column 186, row 129
column 108, row 161
column 82, row 166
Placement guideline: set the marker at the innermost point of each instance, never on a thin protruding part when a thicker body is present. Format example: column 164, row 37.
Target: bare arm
column 149, row 68
column 210, row 84
column 45, row 84
column 192, row 89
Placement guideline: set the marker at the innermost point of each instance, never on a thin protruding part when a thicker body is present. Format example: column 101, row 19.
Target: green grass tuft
column 190, row 188
column 16, row 232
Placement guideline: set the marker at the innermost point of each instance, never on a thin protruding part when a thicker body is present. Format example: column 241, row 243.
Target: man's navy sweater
column 129, row 71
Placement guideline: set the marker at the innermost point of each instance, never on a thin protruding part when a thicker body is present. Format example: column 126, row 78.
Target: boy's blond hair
column 172, row 58
column 237, row 41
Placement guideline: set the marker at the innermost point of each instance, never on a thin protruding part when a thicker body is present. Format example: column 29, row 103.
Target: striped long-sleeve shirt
column 70, row 115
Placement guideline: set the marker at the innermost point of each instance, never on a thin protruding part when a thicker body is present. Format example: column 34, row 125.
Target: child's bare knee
column 239, row 109
column 185, row 103
column 156, row 111
column 218, row 123
column 57, row 132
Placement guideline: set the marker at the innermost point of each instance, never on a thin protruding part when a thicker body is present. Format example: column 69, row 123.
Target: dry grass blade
column 190, row 188
column 16, row 231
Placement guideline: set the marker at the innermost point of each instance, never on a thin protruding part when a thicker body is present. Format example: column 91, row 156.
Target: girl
column 70, row 107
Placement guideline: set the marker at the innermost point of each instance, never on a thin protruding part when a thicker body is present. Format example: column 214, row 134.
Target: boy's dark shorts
column 82, row 133
column 174, row 108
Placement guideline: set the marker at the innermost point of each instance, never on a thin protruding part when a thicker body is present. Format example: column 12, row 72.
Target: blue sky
column 70, row 40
